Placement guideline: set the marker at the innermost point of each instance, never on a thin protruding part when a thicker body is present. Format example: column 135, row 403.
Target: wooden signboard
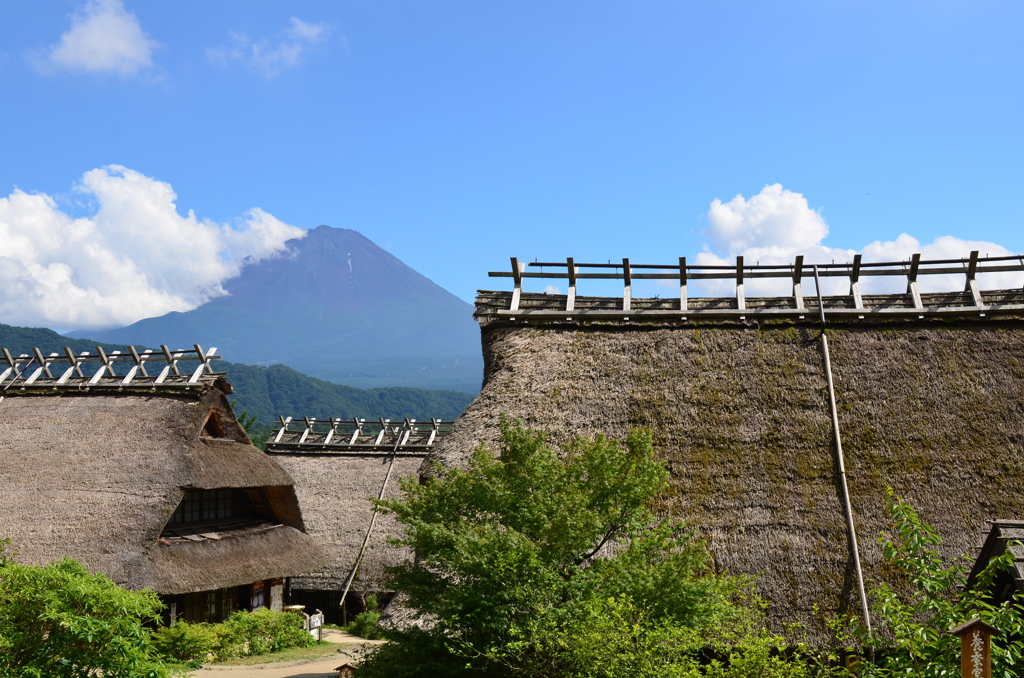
column 975, row 648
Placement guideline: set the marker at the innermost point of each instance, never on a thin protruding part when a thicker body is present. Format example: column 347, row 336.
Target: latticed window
column 200, row 505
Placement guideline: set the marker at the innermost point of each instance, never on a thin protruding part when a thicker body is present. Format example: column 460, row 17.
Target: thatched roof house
column 930, row 392
column 1003, row 536
column 147, row 478
column 339, row 467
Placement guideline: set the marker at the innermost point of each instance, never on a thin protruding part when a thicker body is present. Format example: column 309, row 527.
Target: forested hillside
column 267, row 392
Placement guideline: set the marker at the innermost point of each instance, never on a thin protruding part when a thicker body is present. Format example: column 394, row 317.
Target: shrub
column 61, row 621
column 265, row 631
column 365, row 623
column 244, row 634
column 534, row 562
column 186, row 642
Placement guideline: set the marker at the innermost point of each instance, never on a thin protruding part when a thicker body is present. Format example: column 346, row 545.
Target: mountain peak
column 335, row 306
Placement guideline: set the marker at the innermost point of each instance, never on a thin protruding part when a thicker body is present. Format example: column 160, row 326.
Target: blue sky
column 459, row 133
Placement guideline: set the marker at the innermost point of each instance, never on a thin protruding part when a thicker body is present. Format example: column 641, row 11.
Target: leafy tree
column 543, row 564
column 60, row 621
column 927, row 597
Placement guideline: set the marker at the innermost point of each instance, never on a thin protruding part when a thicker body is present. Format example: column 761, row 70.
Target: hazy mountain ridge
column 268, row 392
column 336, row 307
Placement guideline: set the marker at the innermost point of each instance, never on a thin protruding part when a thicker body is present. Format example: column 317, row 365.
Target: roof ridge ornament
column 913, row 303
column 38, row 373
column 356, row 436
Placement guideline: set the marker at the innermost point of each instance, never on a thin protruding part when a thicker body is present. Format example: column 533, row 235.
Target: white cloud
column 134, row 258
column 269, row 57
column 104, row 36
column 776, row 225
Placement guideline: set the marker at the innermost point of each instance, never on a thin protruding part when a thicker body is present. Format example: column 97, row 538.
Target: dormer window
column 201, row 505
column 223, row 508
column 213, row 428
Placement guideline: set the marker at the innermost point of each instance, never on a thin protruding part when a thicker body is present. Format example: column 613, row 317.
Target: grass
column 318, row 651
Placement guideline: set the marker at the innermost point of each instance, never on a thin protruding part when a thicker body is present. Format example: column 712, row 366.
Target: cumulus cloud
column 134, row 258
column 104, row 37
column 268, row 56
column 776, row 225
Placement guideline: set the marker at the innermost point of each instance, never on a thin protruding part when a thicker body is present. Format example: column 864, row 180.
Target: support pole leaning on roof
column 373, row 519
column 840, row 463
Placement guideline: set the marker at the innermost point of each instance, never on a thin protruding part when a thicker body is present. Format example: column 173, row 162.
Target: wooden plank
column 627, row 288
column 972, row 283
column 798, row 293
column 44, row 363
column 284, row 427
column 517, row 276
column 915, row 293
column 570, row 299
column 741, row 300
column 683, row 294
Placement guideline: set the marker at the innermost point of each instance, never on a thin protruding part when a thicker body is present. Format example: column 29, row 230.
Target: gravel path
column 351, row 649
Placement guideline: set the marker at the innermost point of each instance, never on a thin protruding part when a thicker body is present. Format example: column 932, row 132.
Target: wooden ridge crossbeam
column 308, row 435
column 104, row 371
column 913, row 302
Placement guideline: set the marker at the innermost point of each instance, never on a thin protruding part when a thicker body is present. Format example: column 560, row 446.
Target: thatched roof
column 339, row 467
column 1004, row 535
column 931, row 406
column 335, row 493
column 95, row 475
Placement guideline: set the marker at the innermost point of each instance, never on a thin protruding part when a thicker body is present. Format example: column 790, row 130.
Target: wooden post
column 972, row 284
column 858, row 302
column 798, row 274
column 741, row 300
column 570, row 298
column 627, row 287
column 915, row 263
column 975, row 648
column 517, row 277
column 683, row 301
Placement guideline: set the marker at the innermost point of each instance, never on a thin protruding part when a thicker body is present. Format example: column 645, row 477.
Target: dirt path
column 352, row 648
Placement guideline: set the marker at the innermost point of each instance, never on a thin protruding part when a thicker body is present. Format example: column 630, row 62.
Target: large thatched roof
column 339, row 467
column 931, row 404
column 95, row 474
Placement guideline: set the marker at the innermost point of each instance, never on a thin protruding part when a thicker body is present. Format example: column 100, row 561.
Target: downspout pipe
column 844, row 491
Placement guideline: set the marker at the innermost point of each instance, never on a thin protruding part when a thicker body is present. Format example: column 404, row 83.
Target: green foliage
column 546, row 564
column 365, row 623
column 60, row 621
column 243, row 634
column 926, row 598
column 258, row 433
column 192, row 643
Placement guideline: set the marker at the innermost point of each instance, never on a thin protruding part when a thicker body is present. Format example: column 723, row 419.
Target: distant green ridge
column 267, row 392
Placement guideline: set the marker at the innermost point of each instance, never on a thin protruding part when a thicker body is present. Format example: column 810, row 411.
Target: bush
column 365, row 623
column 61, row 621
column 265, row 631
column 244, row 634
column 534, row 562
column 188, row 643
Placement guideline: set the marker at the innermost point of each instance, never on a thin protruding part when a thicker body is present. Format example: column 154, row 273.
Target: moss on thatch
column 934, row 409
column 96, row 477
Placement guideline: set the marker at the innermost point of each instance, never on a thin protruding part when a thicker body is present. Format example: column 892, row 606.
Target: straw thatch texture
column 335, row 493
column 96, row 478
column 739, row 413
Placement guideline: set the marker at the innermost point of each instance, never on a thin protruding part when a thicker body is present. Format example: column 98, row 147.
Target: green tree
column 924, row 598
column 543, row 564
column 60, row 621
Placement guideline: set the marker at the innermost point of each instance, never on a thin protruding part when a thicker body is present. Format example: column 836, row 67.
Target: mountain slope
column 267, row 392
column 338, row 307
